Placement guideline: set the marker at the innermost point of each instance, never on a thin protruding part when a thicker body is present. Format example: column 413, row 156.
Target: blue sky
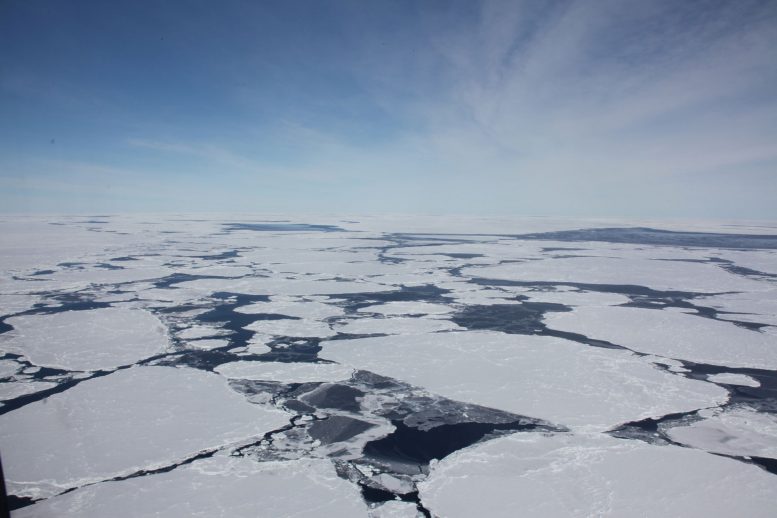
column 596, row 108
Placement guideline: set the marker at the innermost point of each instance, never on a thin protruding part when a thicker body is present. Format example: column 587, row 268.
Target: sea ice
column 672, row 335
column 543, row 377
column 294, row 328
column 408, row 308
column 285, row 372
column 728, row 378
column 135, row 419
column 659, row 275
column 86, row 340
column 293, row 308
column 221, row 486
column 394, row 326
column 598, row 475
column 738, row 430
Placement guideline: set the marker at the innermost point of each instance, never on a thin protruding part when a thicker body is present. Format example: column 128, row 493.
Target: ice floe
column 293, row 308
column 134, row 419
column 543, row 377
column 581, row 476
column 408, row 308
column 285, row 372
column 216, row 487
column 394, row 326
column 293, row 328
column 659, row 275
column 738, row 430
column 672, row 335
column 728, row 378
column 86, row 340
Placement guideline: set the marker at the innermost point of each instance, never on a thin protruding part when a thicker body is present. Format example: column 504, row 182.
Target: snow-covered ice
column 134, row 419
column 217, row 487
column 394, row 326
column 737, row 430
column 86, row 340
column 285, row 372
column 568, row 475
column 673, row 335
column 543, row 377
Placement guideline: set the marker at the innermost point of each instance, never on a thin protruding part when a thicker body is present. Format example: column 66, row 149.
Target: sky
column 591, row 108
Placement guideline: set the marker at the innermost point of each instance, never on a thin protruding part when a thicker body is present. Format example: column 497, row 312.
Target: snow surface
column 673, row 335
column 134, row 419
column 394, row 326
column 221, row 487
column 294, row 328
column 597, row 475
column 543, row 377
column 659, row 275
column 407, row 308
column 293, row 308
column 738, row 430
column 285, row 372
column 728, row 378
column 86, row 340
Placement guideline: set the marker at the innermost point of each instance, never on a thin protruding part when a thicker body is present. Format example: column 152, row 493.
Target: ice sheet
column 218, row 487
column 86, row 340
column 394, row 326
column 738, row 430
column 659, row 275
column 672, row 335
column 131, row 420
column 285, row 372
column 543, row 377
column 573, row 476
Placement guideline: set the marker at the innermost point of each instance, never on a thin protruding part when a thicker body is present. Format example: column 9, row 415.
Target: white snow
column 408, row 308
column 672, row 335
column 738, row 430
column 577, row 298
column 574, row 476
column 293, row 308
column 285, row 372
column 659, row 275
column 86, row 340
column 537, row 376
column 280, row 286
column 8, row 368
column 728, row 378
column 16, row 389
column 220, row 487
column 134, row 419
column 289, row 327
column 394, row 326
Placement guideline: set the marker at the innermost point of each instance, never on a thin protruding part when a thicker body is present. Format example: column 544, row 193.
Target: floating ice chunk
column 578, row 298
column 597, row 475
column 219, row 486
column 207, row 345
column 408, row 308
column 728, row 378
column 673, row 335
column 307, row 310
column 758, row 307
column 738, row 431
column 22, row 388
column 86, row 340
column 8, row 368
column 285, row 372
column 395, row 509
column 394, row 326
column 275, row 286
column 660, row 275
column 200, row 332
column 289, row 327
column 134, row 419
column 537, row 376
